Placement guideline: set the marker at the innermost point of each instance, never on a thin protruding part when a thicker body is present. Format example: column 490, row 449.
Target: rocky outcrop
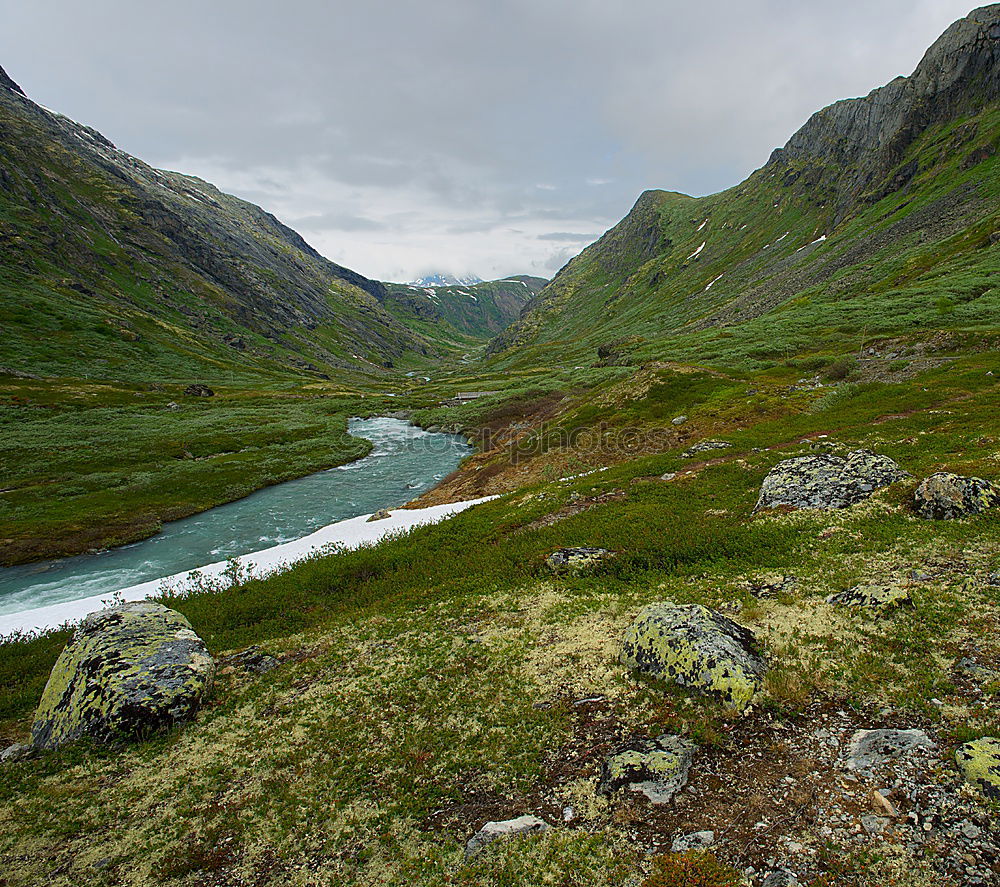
column 6, row 82
column 381, row 514
column 573, row 561
column 657, row 768
column 128, row 672
column 695, row 647
column 946, row 496
column 509, row 828
column 826, row 481
column 199, row 390
column 705, row 446
column 869, row 136
column 876, row 598
column 979, row 762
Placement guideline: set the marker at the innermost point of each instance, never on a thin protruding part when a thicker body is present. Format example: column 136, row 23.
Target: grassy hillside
column 115, row 270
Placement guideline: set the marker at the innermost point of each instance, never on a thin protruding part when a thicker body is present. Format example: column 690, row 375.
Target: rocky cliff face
column 959, row 74
column 82, row 219
column 908, row 171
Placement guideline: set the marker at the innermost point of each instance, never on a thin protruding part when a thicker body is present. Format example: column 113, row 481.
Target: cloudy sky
column 466, row 136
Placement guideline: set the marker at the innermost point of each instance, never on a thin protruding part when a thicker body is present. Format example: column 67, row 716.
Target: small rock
column 946, row 496
column 199, row 391
column 694, row 841
column 670, row 475
column 678, row 420
column 704, row 447
column 695, row 647
column 780, row 878
column 869, row 748
column 874, row 825
column 827, row 482
column 252, row 659
column 172, row 406
column 16, row 752
column 658, row 768
column 492, row 831
column 381, row 514
column 878, row 598
column 572, row 561
column 979, row 762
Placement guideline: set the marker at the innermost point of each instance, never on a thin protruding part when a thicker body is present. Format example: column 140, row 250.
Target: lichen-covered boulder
column 945, row 496
column 127, row 672
column 979, row 762
column 695, row 647
column 879, row 599
column 657, row 768
column 826, row 481
column 571, row 561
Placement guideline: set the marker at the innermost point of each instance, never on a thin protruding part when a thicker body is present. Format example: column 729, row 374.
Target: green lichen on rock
column 979, row 762
column 946, row 496
column 826, row 481
column 658, row 768
column 695, row 647
column 127, row 672
column 878, row 599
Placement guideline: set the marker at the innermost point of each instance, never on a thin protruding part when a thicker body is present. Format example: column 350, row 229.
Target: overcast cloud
column 466, row 136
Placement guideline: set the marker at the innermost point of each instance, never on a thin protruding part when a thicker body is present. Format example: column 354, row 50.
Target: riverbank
column 343, row 535
column 88, row 466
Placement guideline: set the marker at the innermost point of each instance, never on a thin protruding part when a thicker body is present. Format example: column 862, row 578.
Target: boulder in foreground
column 695, row 647
column 946, row 496
column 128, row 672
column 827, row 482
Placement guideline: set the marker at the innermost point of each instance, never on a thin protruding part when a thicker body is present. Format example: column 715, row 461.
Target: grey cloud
column 432, row 124
column 565, row 235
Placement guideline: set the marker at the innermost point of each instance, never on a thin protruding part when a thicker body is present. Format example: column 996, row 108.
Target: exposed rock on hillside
column 945, row 496
column 877, row 598
column 826, row 481
column 509, row 828
column 570, row 561
column 695, row 647
column 127, row 672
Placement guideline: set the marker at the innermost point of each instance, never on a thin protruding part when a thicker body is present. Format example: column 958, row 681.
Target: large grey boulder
column 508, row 828
column 657, row 768
column 826, row 481
column 127, row 672
column 946, row 496
column 695, row 647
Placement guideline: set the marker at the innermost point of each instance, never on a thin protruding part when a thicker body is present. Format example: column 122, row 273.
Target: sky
column 487, row 137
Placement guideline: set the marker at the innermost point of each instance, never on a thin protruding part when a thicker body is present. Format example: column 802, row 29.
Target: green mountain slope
column 879, row 219
column 478, row 310
column 114, row 269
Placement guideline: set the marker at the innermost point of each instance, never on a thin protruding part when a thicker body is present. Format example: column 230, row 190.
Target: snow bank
column 351, row 533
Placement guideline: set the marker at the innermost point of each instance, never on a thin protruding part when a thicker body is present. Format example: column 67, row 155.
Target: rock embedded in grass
column 827, row 482
column 979, row 762
column 705, row 446
column 572, row 561
column 657, row 768
column 128, row 672
column 870, row 748
column 695, row 647
column 946, row 496
column 878, row 599
column 508, row 828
